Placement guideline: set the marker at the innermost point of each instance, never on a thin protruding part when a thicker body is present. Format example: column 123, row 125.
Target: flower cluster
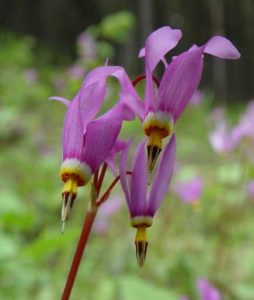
column 91, row 140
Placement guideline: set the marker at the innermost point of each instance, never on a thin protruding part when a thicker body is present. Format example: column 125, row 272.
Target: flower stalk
column 90, row 216
column 87, row 226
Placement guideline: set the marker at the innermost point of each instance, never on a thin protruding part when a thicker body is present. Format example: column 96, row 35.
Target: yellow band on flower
column 141, row 221
column 75, row 170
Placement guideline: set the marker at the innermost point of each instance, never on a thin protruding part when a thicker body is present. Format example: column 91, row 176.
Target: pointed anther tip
column 67, row 203
column 141, row 250
column 63, row 227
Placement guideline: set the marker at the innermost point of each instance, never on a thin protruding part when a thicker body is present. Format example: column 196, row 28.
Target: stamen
column 157, row 126
column 68, row 195
column 141, row 245
column 154, row 146
column 63, row 226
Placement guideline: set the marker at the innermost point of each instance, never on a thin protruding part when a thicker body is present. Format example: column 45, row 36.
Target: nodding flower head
column 141, row 203
column 87, row 142
column 163, row 105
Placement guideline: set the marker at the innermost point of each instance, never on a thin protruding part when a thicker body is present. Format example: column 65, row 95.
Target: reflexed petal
column 221, row 47
column 91, row 100
column 179, row 81
column 127, row 92
column 100, row 137
column 122, row 170
column 61, row 99
column 139, row 182
column 73, row 131
column 159, row 43
column 119, row 146
column 162, row 177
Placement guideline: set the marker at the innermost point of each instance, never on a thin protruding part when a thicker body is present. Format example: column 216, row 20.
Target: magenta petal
column 61, row 99
column 162, row 177
column 127, row 92
column 139, row 182
column 110, row 160
column 221, row 47
column 73, row 131
column 158, row 44
column 99, row 139
column 123, row 170
column 179, row 81
column 91, row 100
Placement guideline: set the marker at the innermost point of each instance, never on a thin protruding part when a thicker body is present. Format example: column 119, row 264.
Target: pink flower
column 189, row 191
column 207, row 291
column 250, row 189
column 76, row 72
column 87, row 46
column 31, row 76
column 141, row 203
column 245, row 128
column 222, row 139
column 109, row 208
column 197, row 98
column 87, row 142
column 163, row 105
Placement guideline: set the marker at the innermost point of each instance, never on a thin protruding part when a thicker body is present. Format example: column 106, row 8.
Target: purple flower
column 245, row 128
column 250, row 189
column 110, row 207
column 189, row 191
column 87, row 142
column 222, row 139
column 87, row 46
column 76, row 72
column 31, row 76
column 197, row 98
column 207, row 291
column 217, row 115
column 163, row 106
column 143, row 205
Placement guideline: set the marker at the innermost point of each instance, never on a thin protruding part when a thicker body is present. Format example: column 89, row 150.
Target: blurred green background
column 46, row 48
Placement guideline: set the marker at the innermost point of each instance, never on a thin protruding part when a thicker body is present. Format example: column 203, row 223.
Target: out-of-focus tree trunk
column 145, row 18
column 216, row 8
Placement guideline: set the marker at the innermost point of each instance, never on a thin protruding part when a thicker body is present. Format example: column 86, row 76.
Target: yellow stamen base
column 154, row 146
column 157, row 126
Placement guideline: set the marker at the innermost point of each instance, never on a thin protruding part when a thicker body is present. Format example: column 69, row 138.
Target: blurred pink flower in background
column 31, row 76
column 184, row 298
column 222, row 139
column 189, row 191
column 108, row 209
column 197, row 98
column 217, row 115
column 87, row 46
column 245, row 128
column 76, row 72
column 207, row 291
column 250, row 189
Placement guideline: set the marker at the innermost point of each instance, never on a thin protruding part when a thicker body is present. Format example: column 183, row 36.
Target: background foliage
column 214, row 240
